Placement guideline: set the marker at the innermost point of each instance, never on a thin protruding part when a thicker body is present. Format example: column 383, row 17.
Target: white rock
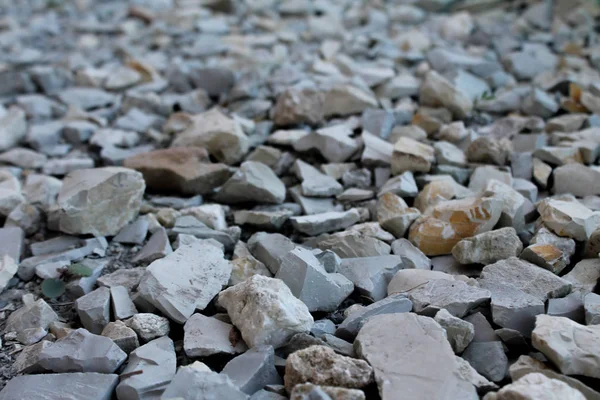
column 207, row 336
column 265, row 311
column 14, row 128
column 569, row 218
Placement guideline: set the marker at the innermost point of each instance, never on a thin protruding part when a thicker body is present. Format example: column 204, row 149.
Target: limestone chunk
column 488, row 247
column 207, row 336
column 410, row 155
column 569, row 218
column 437, row 91
column 253, row 182
column 298, row 106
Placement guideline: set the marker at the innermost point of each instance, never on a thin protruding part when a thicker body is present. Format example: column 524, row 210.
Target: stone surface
column 201, row 273
column 322, row 366
column 253, row 370
column 99, row 201
column 265, row 311
column 149, row 326
column 31, row 321
column 195, row 384
column 93, row 310
column 537, row 386
column 71, row 386
column 456, row 297
column 253, row 182
column 488, row 359
column 459, row 332
column 326, row 222
column 206, row 336
column 488, row 247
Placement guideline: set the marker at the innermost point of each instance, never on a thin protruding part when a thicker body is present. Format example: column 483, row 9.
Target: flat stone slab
column 72, row 386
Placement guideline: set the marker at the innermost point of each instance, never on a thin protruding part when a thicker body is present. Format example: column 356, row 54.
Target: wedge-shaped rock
column 222, row 136
column 513, row 204
column 93, row 310
column 31, row 321
column 206, row 336
column 377, row 152
column 81, row 351
column 334, row 143
column 99, row 201
column 307, row 279
column 253, row 182
column 295, row 106
column 185, row 170
column 371, row 275
column 320, row 365
column 265, row 311
column 456, row 297
column 569, row 218
column 316, row 224
column 421, row 364
column 573, row 348
column 350, row 244
column 459, row 332
column 270, row 248
column 253, row 370
column 149, row 370
column 394, row 215
column 315, row 183
column 584, row 275
column 410, row 155
column 546, row 256
column 488, row 247
column 577, row 180
column 345, row 99
column 527, row 277
column 437, row 91
column 89, row 386
column 185, row 280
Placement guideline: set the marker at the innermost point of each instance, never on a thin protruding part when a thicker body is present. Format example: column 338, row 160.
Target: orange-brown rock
column 439, row 190
column 450, row 221
column 546, row 256
column 185, row 170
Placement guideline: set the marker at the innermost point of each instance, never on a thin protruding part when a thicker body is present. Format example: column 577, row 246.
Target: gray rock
column 576, row 179
column 527, row 277
column 253, row 182
column 157, row 362
column 460, row 333
column 488, row 247
column 396, row 303
column 27, row 361
column 193, row 384
column 456, row 297
column 488, row 358
column 149, row 326
column 190, row 225
column 12, row 242
column 423, row 363
column 93, row 310
column 31, row 321
column 411, row 256
column 379, row 122
column 539, row 103
column 322, row 327
column 349, row 244
column 326, row 222
column 315, row 183
column 265, row 311
column 81, row 351
column 122, row 306
column 128, row 278
column 14, row 128
column 253, row 370
column 591, row 304
column 306, row 391
column 206, row 336
column 134, row 233
column 307, row 279
column 333, row 142
column 270, row 248
column 371, row 275
column 571, row 306
column 90, row 385
column 86, row 98
column 122, row 335
column 99, row 201
column 402, row 185
column 584, row 275
column 202, row 272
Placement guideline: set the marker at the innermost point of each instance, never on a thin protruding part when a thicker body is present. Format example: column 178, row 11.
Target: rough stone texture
column 396, row 367
column 93, row 310
column 149, row 326
column 326, row 222
column 122, row 335
column 306, row 391
column 371, row 275
column 459, row 332
column 569, row 345
column 253, row 182
column 456, row 297
column 99, row 201
column 206, row 336
column 536, row 386
column 253, row 370
column 196, row 384
column 488, row 359
column 584, row 275
column 74, row 386
column 265, row 311
column 201, row 273
column 157, row 362
column 320, row 365
column 31, row 321
column 81, row 351
column 568, row 218
column 489, row 247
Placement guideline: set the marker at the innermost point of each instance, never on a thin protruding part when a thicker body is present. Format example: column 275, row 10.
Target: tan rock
column 304, row 391
column 296, row 106
column 546, row 256
column 410, row 155
column 222, row 136
column 437, row 91
column 541, row 172
column 536, row 386
column 439, row 191
column 488, row 247
column 569, row 218
column 394, row 215
column 320, row 365
column 346, row 99
column 185, row 170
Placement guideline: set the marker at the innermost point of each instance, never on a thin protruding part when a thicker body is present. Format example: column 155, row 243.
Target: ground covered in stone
column 299, row 199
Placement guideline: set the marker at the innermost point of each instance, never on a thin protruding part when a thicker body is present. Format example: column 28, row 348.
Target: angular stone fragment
column 314, row 183
column 253, row 370
column 253, row 182
column 72, row 386
column 322, row 366
column 393, row 304
column 122, row 335
column 265, row 311
column 460, row 333
column 245, row 265
column 333, row 142
column 488, row 359
column 584, row 275
column 14, row 128
column 326, row 222
column 206, row 336
column 437, row 91
column 201, row 273
column 307, row 279
column 572, row 347
column 27, row 361
column 8, row 269
column 569, row 218
column 394, row 215
column 149, row 326
column 157, row 363
column 411, row 256
column 410, row 155
column 134, row 233
column 196, row 384
column 349, row 244
column 306, row 391
column 99, row 201
column 93, row 310
column 81, row 351
column 565, row 245
column 295, row 106
column 122, row 306
column 546, row 256
column 270, row 248
column 527, row 277
column 31, row 321
column 222, row 136
column 377, row 151
column 185, row 170
column 398, row 369
column 346, row 100
column 456, row 297
column 591, row 304
column 537, row 386
column 488, row 247
column 371, row 275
